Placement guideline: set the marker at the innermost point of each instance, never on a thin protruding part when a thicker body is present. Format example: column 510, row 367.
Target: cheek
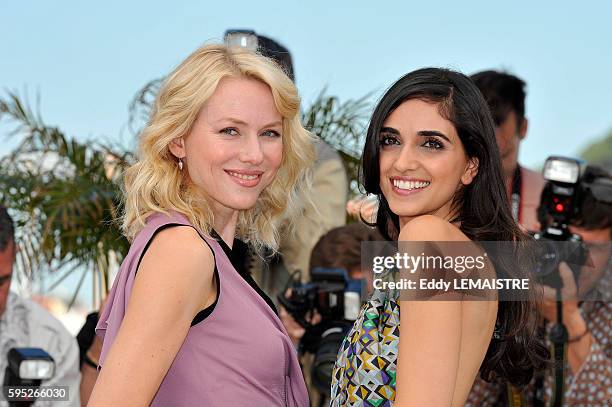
column 274, row 155
column 273, row 160
column 503, row 140
column 211, row 156
column 385, row 161
column 445, row 168
column 199, row 168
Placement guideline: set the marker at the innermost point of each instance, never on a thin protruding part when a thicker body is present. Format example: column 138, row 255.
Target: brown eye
column 388, row 141
column 433, row 144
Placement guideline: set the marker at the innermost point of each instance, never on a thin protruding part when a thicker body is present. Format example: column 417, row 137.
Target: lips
column 246, row 178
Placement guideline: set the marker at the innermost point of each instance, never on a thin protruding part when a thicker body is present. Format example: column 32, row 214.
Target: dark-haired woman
column 431, row 158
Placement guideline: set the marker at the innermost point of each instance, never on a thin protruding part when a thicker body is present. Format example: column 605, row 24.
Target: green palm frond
column 141, row 106
column 65, row 195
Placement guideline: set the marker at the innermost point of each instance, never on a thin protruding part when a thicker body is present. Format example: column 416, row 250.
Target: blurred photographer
column 23, row 323
column 322, row 328
column 505, row 95
column 586, row 308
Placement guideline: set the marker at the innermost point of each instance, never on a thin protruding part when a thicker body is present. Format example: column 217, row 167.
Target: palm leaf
column 341, row 125
column 65, row 196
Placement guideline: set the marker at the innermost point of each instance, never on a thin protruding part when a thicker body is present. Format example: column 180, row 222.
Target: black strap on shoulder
column 237, row 258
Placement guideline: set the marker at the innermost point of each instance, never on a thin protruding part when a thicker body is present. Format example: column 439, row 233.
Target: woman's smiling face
column 235, row 147
column 422, row 161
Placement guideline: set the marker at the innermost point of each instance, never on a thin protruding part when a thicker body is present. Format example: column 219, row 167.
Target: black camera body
column 337, row 298
column 325, row 294
column 559, row 206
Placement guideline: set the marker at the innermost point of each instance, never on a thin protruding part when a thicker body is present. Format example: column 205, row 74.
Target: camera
column 241, row 38
column 337, row 298
column 27, row 367
column 560, row 204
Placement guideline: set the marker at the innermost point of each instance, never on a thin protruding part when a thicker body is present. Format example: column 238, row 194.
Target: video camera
column 337, row 298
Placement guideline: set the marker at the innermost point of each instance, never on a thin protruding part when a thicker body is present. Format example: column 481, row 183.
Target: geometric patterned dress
column 364, row 373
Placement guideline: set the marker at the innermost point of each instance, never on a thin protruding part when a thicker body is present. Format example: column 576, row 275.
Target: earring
column 180, row 164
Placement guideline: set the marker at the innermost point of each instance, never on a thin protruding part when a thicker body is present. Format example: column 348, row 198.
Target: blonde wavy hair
column 155, row 183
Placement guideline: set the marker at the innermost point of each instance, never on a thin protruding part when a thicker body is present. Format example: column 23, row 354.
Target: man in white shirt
column 24, row 323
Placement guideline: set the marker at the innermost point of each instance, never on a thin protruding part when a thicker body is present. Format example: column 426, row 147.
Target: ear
column 522, row 131
column 471, row 169
column 177, row 147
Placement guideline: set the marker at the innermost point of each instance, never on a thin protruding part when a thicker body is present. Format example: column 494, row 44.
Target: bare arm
column 174, row 277
column 580, row 339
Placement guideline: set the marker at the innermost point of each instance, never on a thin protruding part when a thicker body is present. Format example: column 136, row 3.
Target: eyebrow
column 422, row 133
column 433, row 133
column 273, row 124
column 243, row 123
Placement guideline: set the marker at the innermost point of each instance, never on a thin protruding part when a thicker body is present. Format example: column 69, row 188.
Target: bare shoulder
column 431, row 228
column 178, row 253
column 182, row 243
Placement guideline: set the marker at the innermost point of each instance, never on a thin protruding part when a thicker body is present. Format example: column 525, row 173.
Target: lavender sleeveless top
column 239, row 355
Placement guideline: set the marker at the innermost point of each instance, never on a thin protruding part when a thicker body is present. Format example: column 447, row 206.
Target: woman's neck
column 225, row 224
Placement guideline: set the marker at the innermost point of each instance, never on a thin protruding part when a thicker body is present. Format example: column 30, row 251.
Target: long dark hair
column 481, row 207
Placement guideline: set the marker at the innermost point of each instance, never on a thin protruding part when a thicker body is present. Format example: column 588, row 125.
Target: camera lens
column 325, row 357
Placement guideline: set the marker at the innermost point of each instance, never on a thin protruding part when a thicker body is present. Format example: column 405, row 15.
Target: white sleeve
column 50, row 335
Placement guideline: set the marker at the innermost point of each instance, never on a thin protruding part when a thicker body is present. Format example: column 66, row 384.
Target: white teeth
column 242, row 176
column 410, row 185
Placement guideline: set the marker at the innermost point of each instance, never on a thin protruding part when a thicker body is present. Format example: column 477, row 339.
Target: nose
column 251, row 151
column 407, row 160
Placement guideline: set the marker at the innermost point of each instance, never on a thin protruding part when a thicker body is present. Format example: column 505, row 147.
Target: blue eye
column 271, row 133
column 230, row 131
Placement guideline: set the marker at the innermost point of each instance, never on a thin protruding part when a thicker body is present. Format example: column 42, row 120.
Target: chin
column 243, row 205
column 404, row 212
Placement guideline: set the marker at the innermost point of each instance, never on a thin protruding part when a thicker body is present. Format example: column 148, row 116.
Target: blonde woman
column 224, row 155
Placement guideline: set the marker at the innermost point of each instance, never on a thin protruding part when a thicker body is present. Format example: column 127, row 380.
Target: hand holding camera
column 571, row 315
